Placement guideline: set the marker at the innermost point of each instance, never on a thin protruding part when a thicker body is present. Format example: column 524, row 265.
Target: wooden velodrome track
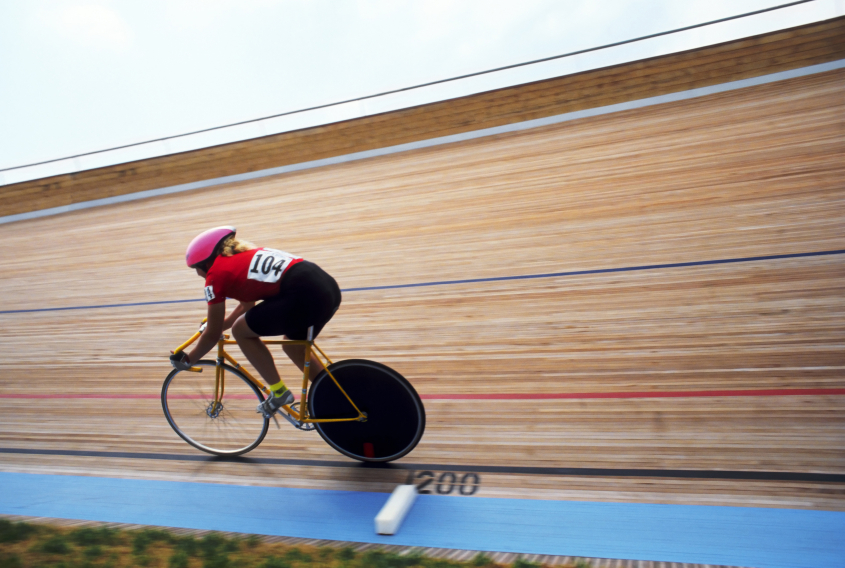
column 751, row 173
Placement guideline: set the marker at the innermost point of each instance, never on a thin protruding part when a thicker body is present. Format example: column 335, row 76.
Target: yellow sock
column 278, row 388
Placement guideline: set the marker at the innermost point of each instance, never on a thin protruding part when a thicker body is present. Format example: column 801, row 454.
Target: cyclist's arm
column 239, row 310
column 213, row 331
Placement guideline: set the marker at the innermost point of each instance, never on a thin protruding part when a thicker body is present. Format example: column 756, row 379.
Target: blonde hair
column 232, row 246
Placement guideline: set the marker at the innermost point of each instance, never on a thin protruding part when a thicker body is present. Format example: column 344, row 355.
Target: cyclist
column 296, row 294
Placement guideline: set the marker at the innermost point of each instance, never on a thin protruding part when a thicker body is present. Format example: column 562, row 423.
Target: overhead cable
column 439, row 81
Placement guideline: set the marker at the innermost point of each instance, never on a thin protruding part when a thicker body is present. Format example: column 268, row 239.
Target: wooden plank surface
column 731, row 61
column 756, row 172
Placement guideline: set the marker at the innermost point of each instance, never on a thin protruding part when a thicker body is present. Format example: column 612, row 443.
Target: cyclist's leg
column 321, row 295
column 296, row 353
column 256, row 351
column 307, row 297
column 268, row 318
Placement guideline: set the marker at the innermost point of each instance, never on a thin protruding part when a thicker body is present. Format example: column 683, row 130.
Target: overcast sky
column 83, row 75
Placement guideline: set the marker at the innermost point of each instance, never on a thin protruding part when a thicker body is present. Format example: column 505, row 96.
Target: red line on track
column 517, row 396
column 127, row 396
column 634, row 394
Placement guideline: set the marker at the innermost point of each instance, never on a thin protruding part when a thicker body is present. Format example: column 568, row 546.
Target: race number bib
column 268, row 265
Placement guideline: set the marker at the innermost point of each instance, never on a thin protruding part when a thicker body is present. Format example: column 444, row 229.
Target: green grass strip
column 24, row 545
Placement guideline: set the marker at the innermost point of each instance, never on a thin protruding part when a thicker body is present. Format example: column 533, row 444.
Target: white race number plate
column 268, row 265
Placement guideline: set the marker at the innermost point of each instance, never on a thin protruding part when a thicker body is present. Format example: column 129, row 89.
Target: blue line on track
column 101, row 306
column 603, row 270
column 479, row 280
column 738, row 536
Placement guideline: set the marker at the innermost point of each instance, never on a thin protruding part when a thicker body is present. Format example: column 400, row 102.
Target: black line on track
column 482, row 280
column 519, row 470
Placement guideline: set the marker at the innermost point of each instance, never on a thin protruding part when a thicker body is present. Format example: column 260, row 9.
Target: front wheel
column 230, row 427
column 395, row 414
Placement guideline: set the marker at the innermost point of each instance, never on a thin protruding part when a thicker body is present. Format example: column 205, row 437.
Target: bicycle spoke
column 231, row 429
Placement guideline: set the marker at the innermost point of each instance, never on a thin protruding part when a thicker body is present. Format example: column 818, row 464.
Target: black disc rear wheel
column 395, row 413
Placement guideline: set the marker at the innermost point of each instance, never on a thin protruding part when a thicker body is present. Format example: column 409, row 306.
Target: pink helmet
column 203, row 246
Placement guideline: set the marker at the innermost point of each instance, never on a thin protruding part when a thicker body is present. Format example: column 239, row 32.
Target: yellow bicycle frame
column 300, row 416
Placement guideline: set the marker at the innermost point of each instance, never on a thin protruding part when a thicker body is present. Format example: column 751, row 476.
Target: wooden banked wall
column 731, row 61
column 712, row 373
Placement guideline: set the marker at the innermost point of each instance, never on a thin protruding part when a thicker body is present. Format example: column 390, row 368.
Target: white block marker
column 396, row 509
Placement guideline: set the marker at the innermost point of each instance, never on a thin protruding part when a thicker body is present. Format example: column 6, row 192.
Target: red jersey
column 247, row 276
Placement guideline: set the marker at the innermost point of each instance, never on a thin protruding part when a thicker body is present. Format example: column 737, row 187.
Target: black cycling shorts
column 307, row 296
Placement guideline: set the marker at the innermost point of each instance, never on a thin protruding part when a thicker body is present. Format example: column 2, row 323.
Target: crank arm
column 287, row 417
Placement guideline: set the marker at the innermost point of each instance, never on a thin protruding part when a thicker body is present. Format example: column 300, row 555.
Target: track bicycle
column 363, row 409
